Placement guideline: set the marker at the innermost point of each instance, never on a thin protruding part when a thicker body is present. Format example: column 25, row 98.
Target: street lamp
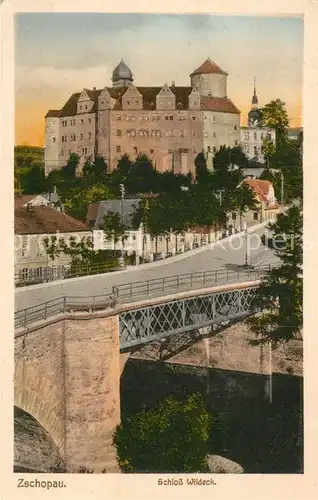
column 122, row 197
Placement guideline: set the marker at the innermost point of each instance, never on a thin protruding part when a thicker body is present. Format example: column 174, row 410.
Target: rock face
column 221, row 465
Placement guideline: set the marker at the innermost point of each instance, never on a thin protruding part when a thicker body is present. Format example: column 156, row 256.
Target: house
column 44, row 199
column 33, row 223
column 268, row 207
column 133, row 238
column 252, row 137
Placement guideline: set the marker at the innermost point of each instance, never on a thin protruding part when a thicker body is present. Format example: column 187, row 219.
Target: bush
column 170, row 438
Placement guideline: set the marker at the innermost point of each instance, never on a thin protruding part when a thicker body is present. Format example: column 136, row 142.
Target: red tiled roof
column 221, row 104
column 208, row 67
column 260, row 187
column 45, row 220
column 149, row 95
column 23, row 199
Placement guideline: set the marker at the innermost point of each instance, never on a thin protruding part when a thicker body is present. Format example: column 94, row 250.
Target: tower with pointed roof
column 254, row 113
column 210, row 80
column 122, row 75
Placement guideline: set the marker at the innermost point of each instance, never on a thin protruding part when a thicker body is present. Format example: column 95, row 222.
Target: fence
column 187, row 281
column 135, row 291
column 33, row 276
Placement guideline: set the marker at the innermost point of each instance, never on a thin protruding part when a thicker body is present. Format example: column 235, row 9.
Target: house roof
column 149, row 95
column 53, row 113
column 260, row 187
column 97, row 211
column 207, row 67
column 23, row 199
column 45, row 220
column 221, row 104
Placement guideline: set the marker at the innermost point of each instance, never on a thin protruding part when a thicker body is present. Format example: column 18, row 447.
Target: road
column 223, row 255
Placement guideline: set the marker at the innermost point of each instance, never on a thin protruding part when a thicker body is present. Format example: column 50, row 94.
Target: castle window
column 166, row 117
column 255, row 215
column 181, row 133
column 170, row 152
column 89, row 135
column 255, row 136
column 85, row 106
column 214, row 149
column 193, row 117
column 84, row 151
column 213, row 118
column 118, row 149
column 89, row 121
column 82, row 137
column 81, row 107
column 235, row 127
column 62, row 152
column 246, row 135
column 82, row 121
column 236, row 143
column 262, row 136
column 151, row 151
column 118, row 118
column 255, row 150
column 205, row 133
column 53, row 139
column 214, row 134
column 135, row 150
column 118, row 133
column 171, row 117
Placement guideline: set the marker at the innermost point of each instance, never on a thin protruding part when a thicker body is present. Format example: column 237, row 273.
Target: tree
column 279, row 298
column 242, row 199
column 170, row 438
column 268, row 150
column 113, row 227
column 274, row 115
column 201, row 170
column 77, row 200
column 69, row 171
column 33, row 180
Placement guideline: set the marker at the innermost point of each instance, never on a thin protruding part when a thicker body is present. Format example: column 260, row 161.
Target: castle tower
column 122, row 76
column 210, row 80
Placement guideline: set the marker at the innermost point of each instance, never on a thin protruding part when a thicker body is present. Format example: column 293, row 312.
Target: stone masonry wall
column 92, row 368
column 39, row 379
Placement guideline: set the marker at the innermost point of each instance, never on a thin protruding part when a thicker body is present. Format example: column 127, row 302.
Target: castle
column 170, row 124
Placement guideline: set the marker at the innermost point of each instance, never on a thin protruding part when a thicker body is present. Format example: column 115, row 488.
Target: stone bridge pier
column 67, row 377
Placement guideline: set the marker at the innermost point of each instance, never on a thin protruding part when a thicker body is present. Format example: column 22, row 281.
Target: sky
column 57, row 54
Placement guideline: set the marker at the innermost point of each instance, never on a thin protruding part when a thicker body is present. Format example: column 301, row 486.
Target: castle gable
column 165, row 98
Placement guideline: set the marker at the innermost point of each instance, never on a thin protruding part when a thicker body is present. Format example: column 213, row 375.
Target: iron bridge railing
column 160, row 321
column 188, row 281
column 131, row 292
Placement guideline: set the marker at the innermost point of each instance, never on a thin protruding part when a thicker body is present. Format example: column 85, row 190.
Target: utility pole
column 246, row 244
column 122, row 197
column 282, row 189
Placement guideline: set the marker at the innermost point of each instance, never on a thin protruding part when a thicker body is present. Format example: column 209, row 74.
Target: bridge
column 70, row 353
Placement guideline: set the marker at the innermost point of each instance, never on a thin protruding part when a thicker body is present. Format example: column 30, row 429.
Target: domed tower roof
column 122, row 74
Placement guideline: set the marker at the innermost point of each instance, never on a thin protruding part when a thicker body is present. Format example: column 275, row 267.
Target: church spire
column 254, row 98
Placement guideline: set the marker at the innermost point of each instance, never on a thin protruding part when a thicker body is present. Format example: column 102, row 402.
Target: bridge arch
column 34, row 393
column 34, row 449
